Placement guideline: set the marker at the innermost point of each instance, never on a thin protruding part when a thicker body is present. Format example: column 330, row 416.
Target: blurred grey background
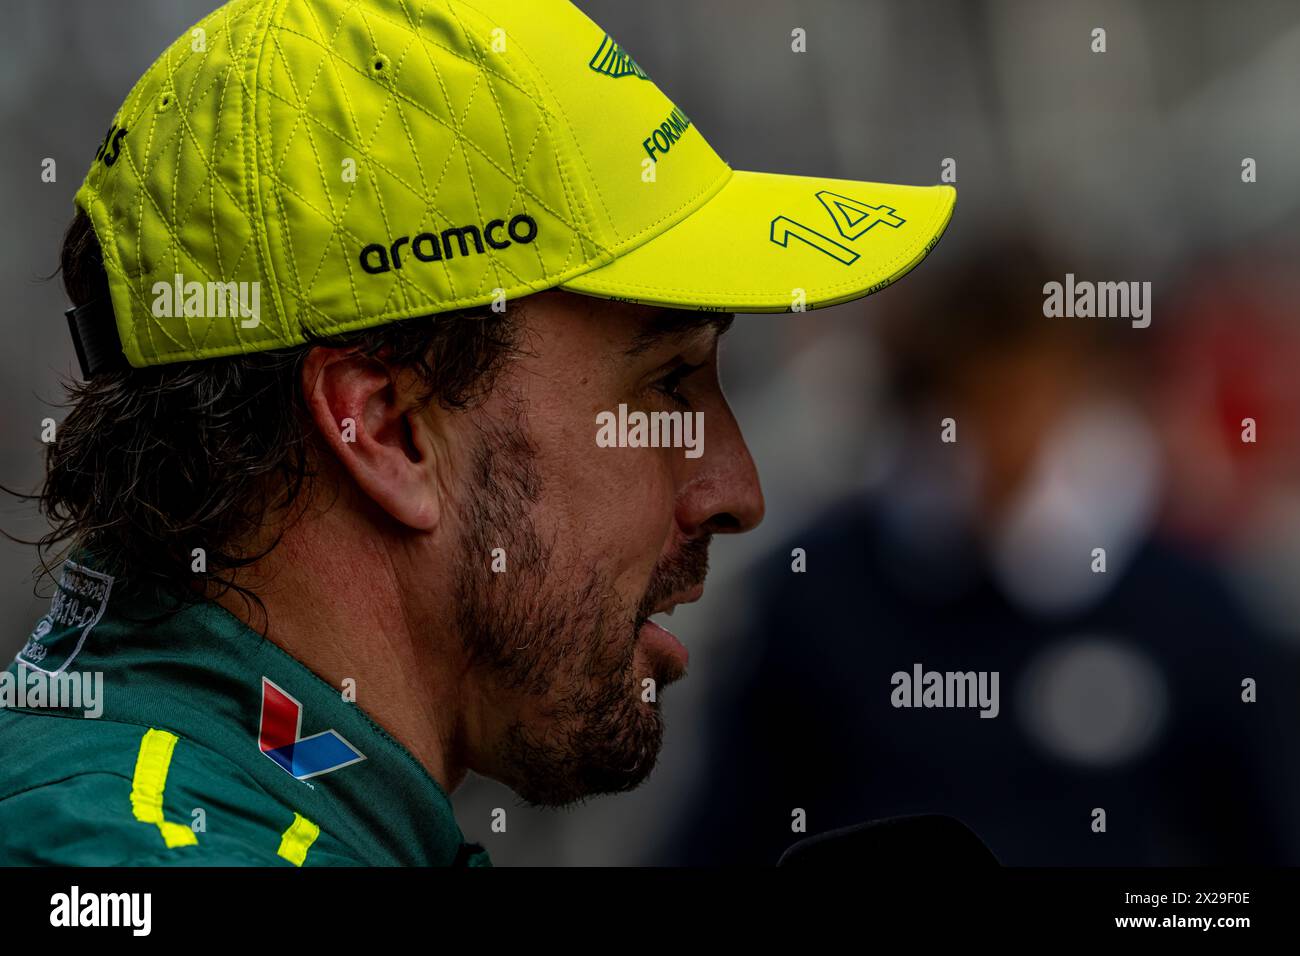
column 1124, row 165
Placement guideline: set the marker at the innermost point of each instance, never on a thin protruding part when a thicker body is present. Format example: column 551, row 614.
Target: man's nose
column 722, row 494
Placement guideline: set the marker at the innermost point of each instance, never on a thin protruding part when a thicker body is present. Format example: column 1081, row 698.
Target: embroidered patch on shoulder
column 78, row 604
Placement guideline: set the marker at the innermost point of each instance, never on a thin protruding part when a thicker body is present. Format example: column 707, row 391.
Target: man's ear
column 366, row 412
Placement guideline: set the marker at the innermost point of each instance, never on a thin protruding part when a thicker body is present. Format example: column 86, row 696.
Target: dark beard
column 569, row 647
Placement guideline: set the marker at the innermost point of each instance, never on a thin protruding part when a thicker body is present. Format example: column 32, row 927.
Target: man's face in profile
column 558, row 651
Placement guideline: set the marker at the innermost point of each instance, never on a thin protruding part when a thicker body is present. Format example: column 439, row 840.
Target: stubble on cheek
column 557, row 644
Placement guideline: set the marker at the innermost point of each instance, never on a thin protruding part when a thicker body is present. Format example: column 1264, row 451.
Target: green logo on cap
column 612, row 60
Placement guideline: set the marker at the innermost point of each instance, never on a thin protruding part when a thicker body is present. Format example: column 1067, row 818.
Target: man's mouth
column 662, row 642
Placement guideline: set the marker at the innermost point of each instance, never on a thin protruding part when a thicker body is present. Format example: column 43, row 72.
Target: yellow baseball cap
column 290, row 168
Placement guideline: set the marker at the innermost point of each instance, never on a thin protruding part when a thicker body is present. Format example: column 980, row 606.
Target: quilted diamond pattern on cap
column 235, row 159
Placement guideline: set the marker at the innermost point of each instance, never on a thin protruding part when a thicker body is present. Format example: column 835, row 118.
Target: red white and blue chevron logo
column 281, row 739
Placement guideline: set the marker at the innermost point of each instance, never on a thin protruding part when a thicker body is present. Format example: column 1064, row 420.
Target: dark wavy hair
column 150, row 463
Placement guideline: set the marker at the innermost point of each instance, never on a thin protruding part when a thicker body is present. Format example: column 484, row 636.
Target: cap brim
column 772, row 243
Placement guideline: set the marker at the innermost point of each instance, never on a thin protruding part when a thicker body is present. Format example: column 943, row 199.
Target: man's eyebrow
column 673, row 323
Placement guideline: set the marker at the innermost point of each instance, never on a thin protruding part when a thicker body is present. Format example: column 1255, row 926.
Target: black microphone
column 900, row 842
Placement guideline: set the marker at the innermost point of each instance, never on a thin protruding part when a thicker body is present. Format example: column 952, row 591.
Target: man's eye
column 671, row 382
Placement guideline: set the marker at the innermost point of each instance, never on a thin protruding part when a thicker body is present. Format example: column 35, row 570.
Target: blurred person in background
column 1227, row 398
column 1120, row 690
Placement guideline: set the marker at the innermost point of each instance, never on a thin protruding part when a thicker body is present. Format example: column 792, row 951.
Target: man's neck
column 340, row 611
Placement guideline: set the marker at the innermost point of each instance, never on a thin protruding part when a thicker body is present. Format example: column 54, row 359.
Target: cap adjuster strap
column 94, row 336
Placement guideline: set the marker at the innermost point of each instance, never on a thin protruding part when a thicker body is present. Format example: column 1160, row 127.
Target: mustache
column 677, row 572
